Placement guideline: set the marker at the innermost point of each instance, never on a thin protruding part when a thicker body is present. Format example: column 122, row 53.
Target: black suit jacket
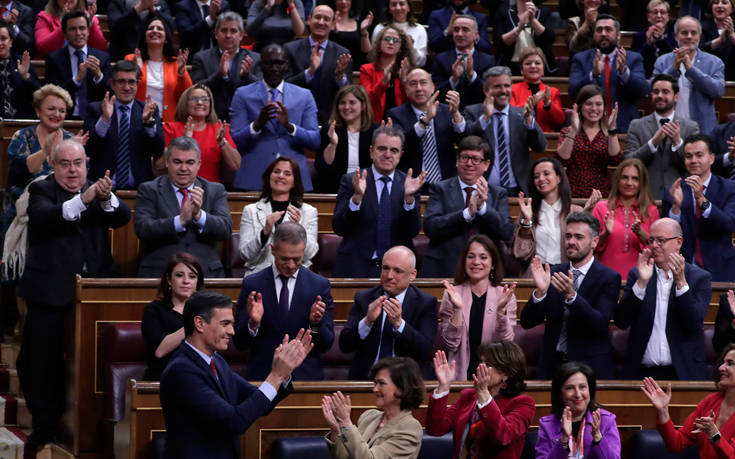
column 194, row 32
column 58, row 72
column 125, row 26
column 24, row 40
column 329, row 175
column 58, row 249
column 102, row 151
column 419, row 310
column 324, row 85
column 587, row 325
column 22, row 91
column 205, row 70
column 720, row 135
column 205, row 416
column 359, row 229
column 441, row 71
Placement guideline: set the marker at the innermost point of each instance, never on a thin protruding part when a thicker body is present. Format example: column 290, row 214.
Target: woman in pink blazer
column 48, row 33
column 476, row 308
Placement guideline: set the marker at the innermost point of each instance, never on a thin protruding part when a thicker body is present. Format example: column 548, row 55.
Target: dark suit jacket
column 419, row 310
column 324, row 84
column 205, row 70
column 441, row 72
column 625, row 94
column 273, row 325
column 58, row 249
column 651, row 52
column 684, row 322
column 22, row 91
column 714, row 233
column 204, row 417
column 58, row 72
column 404, row 117
column 521, row 139
column 359, row 229
column 438, row 22
column 155, row 208
column 448, row 231
column 720, row 135
column 125, row 26
column 587, row 324
column 329, row 175
column 724, row 333
column 194, row 32
column 24, row 40
column 102, row 151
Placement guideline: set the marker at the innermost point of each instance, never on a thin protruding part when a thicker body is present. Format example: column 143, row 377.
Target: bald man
column 664, row 303
column 392, row 319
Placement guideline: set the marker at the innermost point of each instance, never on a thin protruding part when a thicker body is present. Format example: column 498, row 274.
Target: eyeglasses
column 660, row 240
column 203, row 99
column 392, row 39
column 123, row 82
column 470, row 159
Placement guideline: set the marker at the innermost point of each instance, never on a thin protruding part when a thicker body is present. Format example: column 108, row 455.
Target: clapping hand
column 412, row 185
column 592, row 201
column 564, row 284
column 505, row 296
column 181, row 59
column 483, row 380
column 342, row 62
column 525, row 206
column 374, row 310
column 108, row 106
column 294, row 214
column 317, row 311
column 595, row 427
column 644, row 267
column 189, row 126
column 393, row 312
column 270, row 221
column 620, row 59
column 255, row 309
column 24, row 65
column 341, row 407
column 598, row 64
column 444, row 371
column 706, row 424
column 612, row 120
column 658, row 398
column 541, row 275
column 359, row 185
column 731, row 303
column 454, row 297
column 289, row 355
column 82, row 137
column 367, row 22
column 148, row 109
column 566, row 424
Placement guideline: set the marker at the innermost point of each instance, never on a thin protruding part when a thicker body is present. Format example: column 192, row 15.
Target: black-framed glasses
column 661, row 240
column 471, row 159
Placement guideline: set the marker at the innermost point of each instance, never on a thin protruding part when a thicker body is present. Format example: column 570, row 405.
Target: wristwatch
column 716, row 437
column 704, row 206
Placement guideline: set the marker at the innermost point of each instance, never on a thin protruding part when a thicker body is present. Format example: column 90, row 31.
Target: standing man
column 376, row 208
column 195, row 21
column 69, row 219
column 441, row 26
column 664, row 303
column 577, row 310
column 704, row 205
column 280, row 300
column 180, row 212
column 124, row 133
column 657, row 139
column 393, row 319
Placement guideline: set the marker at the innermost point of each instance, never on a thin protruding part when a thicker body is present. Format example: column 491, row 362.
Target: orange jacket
column 173, row 85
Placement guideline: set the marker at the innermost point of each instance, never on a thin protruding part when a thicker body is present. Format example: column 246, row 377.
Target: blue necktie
column 384, row 217
column 81, row 90
column 430, row 155
column 122, row 172
column 386, row 338
column 283, row 298
column 502, row 145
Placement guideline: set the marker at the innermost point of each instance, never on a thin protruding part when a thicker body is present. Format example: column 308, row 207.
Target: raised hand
column 24, row 65
column 696, row 184
column 672, row 131
column 291, row 354
column 342, row 62
column 574, row 122
column 488, row 107
column 525, row 205
column 505, row 296
column 609, row 222
column 51, row 141
column 282, row 114
column 676, row 264
column 566, row 423
column 270, row 221
column 189, row 126
column 91, row 11
column 444, row 371
column 541, row 275
column 547, row 95
column 332, row 133
column 267, row 112
column 612, row 120
column 564, row 284
column 450, row 27
column 214, row 8
column 706, row 424
column 224, row 63
column 454, row 297
column 431, row 106
column 221, row 131
column 196, row 198
column 595, row 427
column 82, row 137
column 457, row 68
column 104, row 187
column 453, row 99
column 592, row 201
column 405, row 66
column 644, row 267
column 108, row 107
column 658, row 398
column 590, row 16
column 374, row 310
column 89, row 194
column 329, row 416
column 731, row 303
column 341, row 407
column 677, row 196
column 359, row 184
column 255, row 309
column 387, row 77
column 598, row 64
column 367, row 22
column 315, row 59
column 138, row 58
column 294, row 214
column 148, row 109
column 620, row 59
column 317, row 311
column 183, row 56
column 245, row 66
column 412, row 185
column 482, row 380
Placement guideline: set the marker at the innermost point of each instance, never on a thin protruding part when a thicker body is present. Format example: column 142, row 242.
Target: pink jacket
column 49, row 36
column 455, row 340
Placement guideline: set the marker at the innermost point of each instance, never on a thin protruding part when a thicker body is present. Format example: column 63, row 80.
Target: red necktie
column 214, row 368
column 185, row 193
column 608, row 94
column 698, row 248
column 468, row 195
column 3, row 10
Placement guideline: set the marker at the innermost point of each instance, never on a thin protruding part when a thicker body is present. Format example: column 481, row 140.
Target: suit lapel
column 396, row 194
column 262, row 209
column 371, row 195
column 165, row 189
column 456, row 195
column 270, row 300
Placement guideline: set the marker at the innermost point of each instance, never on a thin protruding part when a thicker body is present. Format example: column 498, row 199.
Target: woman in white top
column 281, row 200
column 400, row 14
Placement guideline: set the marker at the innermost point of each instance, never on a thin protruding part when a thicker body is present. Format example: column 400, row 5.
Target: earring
column 492, row 274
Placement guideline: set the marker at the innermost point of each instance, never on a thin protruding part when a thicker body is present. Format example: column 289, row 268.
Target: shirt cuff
column 252, row 332
column 625, row 76
column 681, row 291
column 482, row 210
column 638, row 292
column 111, row 204
column 651, row 146
column 409, row 207
column 343, row 81
column 419, row 129
column 676, row 217
column 532, row 124
column 466, row 215
column 437, row 395
column 252, row 129
column 483, row 405
column 706, row 213
column 102, row 127
column 459, row 127
column 400, row 327
column 150, row 131
column 452, row 84
column 268, row 390
column 308, row 76
column 210, row 20
column 354, row 207
column 484, row 123
column 97, row 80
column 537, row 300
column 177, row 224
column 571, row 300
column 725, row 159
column 202, row 220
column 73, row 208
column 363, row 330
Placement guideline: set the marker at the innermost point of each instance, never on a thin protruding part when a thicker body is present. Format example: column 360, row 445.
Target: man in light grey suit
column 497, row 121
column 464, row 205
column 657, row 139
column 180, row 212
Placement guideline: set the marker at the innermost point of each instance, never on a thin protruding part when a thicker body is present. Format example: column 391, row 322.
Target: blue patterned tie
column 122, row 172
column 503, row 156
column 384, row 223
column 81, row 90
column 430, row 155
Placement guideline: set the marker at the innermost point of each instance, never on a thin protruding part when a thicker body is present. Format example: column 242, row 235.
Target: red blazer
column 549, row 120
column 503, row 423
column 371, row 78
column 173, row 85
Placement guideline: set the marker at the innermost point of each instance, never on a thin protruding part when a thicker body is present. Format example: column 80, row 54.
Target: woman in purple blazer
column 577, row 426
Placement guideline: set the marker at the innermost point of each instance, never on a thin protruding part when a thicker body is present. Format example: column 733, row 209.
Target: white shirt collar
column 276, row 274
column 377, row 175
column 206, row 357
column 585, row 267
column 556, row 207
column 669, row 116
column 399, row 297
column 279, row 87
column 176, row 188
column 662, row 275
column 463, row 185
column 73, row 50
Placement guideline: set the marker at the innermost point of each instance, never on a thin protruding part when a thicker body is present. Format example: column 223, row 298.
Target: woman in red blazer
column 491, row 420
column 390, row 60
column 549, row 113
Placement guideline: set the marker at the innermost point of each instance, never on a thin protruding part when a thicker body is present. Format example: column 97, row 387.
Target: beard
column 608, row 49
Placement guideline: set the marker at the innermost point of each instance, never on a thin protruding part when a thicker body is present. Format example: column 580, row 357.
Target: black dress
column 159, row 320
column 351, row 40
column 726, row 51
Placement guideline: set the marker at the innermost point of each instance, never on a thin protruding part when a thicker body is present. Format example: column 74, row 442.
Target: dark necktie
column 468, row 195
column 608, row 92
column 185, row 193
column 205, row 11
column 383, row 241
column 503, row 155
column 386, row 337
column 430, row 155
column 81, row 90
column 123, row 150
column 698, row 259
column 663, row 121
column 283, row 298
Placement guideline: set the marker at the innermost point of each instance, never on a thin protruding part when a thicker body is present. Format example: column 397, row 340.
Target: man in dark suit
column 664, row 304
column 657, row 139
column 376, row 208
column 392, row 319
column 77, row 68
column 21, row 20
column 319, row 64
column 577, row 310
column 461, row 67
column 461, row 206
column 723, row 143
column 704, row 205
column 431, row 128
column 126, row 18
column 16, row 72
column 618, row 72
column 181, row 212
column 497, row 121
column 206, row 405
column 69, row 219
column 195, row 21
column 441, row 26
column 227, row 66
column 282, row 299
column 124, row 133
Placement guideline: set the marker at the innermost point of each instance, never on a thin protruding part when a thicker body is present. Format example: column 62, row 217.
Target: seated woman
column 275, row 21
column 282, row 199
column 346, row 140
column 495, row 414
column 590, row 144
column 350, row 32
column 549, row 113
column 477, row 308
column 195, row 117
column 163, row 75
column 625, row 217
column 389, row 62
column 399, row 14
column 163, row 321
column 577, row 426
column 718, row 36
column 520, row 27
column 48, row 33
column 580, row 28
column 707, row 426
column 390, row 431
column 658, row 37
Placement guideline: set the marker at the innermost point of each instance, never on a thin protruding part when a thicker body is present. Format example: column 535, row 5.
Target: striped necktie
column 502, row 146
column 122, row 172
column 430, row 155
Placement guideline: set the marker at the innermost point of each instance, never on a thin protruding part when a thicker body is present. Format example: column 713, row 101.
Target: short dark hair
column 290, row 233
column 666, row 77
column 184, row 143
column 604, row 16
column 390, row 131
column 475, row 143
column 715, row 372
column 700, row 138
column 190, row 261
column 9, row 27
column 296, row 195
column 585, row 217
column 71, row 15
column 406, row 375
column 124, row 66
column 496, row 274
column 202, row 304
column 507, row 357
column 564, row 372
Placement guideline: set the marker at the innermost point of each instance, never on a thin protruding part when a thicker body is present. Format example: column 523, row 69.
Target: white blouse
column 548, row 233
column 154, row 82
column 353, row 151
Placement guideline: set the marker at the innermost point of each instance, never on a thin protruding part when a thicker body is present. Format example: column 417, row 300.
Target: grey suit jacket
column 155, row 209
column 664, row 165
column 521, row 139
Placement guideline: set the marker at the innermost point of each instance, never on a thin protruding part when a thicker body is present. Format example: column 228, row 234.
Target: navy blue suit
column 204, row 417
column 273, row 325
column 441, row 71
column 720, row 135
column 58, row 72
column 684, row 322
column 24, row 40
column 715, row 232
column 194, row 32
column 587, row 324
column 419, row 310
column 625, row 94
column 438, row 22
